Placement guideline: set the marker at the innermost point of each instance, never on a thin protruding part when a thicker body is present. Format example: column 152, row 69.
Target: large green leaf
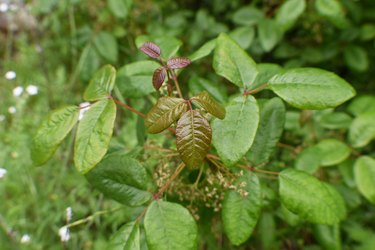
column 271, row 126
column 193, row 138
column 317, row 203
column 233, row 136
column 126, row 238
column 243, row 36
column 94, row 134
column 269, row 34
column 88, row 63
column 51, row 133
column 106, row 45
column 362, row 130
column 233, row 63
column 101, row 84
column 165, row 112
column 332, row 152
column 364, row 172
column 356, row 58
column 121, row 178
column 362, row 104
column 309, row 159
column 335, row 120
column 310, row 88
column 209, row 104
column 240, row 212
column 170, row 226
column 198, row 84
column 203, row 51
column 289, row 12
column 135, row 79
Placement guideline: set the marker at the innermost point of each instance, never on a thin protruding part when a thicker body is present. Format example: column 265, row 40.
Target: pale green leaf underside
column 101, row 84
column 364, row 172
column 170, row 226
column 52, row 132
column 310, row 88
column 309, row 198
column 94, row 134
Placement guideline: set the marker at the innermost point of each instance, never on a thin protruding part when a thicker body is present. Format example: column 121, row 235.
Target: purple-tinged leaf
column 158, row 77
column 150, row 49
column 178, row 62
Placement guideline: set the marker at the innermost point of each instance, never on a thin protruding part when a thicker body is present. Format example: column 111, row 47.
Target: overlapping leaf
column 158, row 77
column 150, row 49
column 193, row 138
column 209, row 104
column 51, row 133
column 126, row 238
column 165, row 112
column 101, row 84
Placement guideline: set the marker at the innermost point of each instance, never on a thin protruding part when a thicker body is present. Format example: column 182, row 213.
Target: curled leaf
column 150, row 49
column 193, row 138
column 209, row 104
column 165, row 112
column 158, row 77
column 178, row 62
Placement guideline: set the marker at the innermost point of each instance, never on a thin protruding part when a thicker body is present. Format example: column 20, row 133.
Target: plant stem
column 176, row 83
column 260, row 170
column 256, row 90
column 128, row 107
column 91, row 217
column 174, row 176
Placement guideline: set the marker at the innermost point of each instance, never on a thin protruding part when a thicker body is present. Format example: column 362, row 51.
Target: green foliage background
column 58, row 45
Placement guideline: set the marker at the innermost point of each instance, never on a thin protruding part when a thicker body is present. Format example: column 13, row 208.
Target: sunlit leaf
column 209, row 104
column 101, row 84
column 126, row 238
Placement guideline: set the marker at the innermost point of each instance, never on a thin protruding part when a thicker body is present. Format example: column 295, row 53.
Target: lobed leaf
column 193, row 138
column 209, row 104
column 166, row 111
column 121, row 178
column 52, row 132
column 170, row 226
column 101, row 84
column 150, row 49
column 158, row 77
column 310, row 88
column 240, row 213
column 178, row 62
column 94, row 134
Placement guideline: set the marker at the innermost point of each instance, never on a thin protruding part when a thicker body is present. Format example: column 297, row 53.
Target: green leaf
column 247, row 16
column 266, row 72
column 328, row 236
column 198, row 84
column 309, row 159
column 135, row 79
column 362, row 104
column 271, row 124
column 362, row 130
column 317, row 203
column 243, row 36
column 332, row 152
column 310, row 88
column 233, row 63
column 170, row 226
column 106, row 45
column 335, row 120
column 233, row 136
column 270, row 34
column 168, row 45
column 209, row 104
column 52, row 132
column 333, row 11
column 165, row 112
column 121, row 178
column 120, row 8
column 126, row 238
column 203, row 51
column 240, row 213
column 101, row 84
column 289, row 12
column 88, row 63
column 356, row 58
column 193, row 138
column 94, row 134
column 364, row 172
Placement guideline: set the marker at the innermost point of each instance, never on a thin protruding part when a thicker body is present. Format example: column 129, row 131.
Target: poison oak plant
column 228, row 147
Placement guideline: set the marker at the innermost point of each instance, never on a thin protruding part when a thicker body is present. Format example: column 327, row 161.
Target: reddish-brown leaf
column 150, row 49
column 178, row 62
column 158, row 77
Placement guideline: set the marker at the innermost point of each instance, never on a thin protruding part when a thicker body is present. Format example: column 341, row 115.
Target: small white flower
column 10, row 75
column 69, row 213
column 2, row 118
column 83, row 108
column 3, row 172
column 4, row 7
column 25, row 239
column 12, row 110
column 17, row 91
column 32, row 89
column 64, row 233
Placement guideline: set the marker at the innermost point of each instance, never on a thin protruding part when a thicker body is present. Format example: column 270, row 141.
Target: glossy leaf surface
column 193, row 138
column 150, row 49
column 178, row 62
column 126, row 238
column 158, row 77
column 209, row 104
